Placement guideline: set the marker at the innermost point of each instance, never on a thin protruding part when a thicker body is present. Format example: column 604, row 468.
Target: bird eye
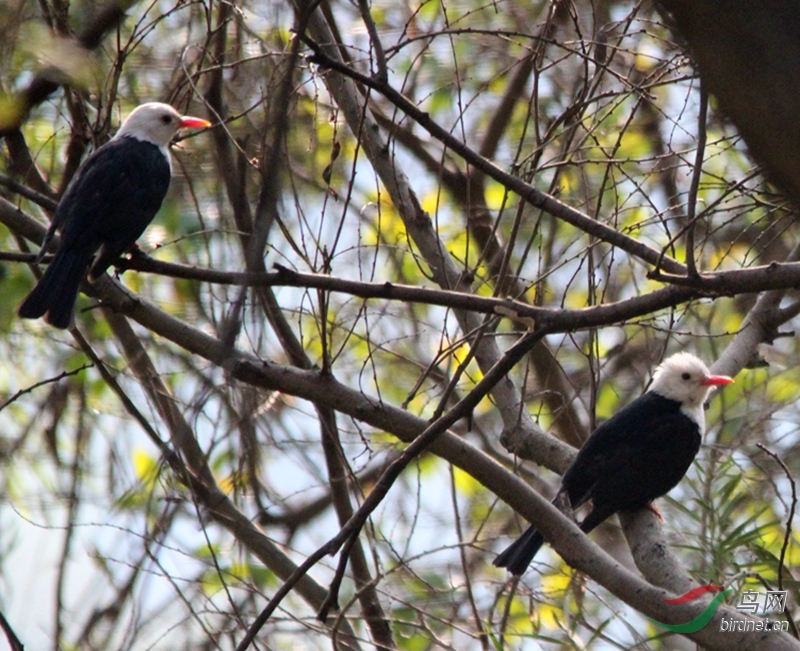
column 686, row 376
column 166, row 119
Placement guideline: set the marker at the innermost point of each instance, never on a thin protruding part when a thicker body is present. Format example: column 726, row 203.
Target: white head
column 684, row 378
column 156, row 123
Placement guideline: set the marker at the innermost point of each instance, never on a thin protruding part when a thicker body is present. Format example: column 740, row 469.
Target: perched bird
column 637, row 455
column 107, row 206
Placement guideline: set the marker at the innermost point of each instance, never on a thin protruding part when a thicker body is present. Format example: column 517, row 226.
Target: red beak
column 197, row 123
column 716, row 380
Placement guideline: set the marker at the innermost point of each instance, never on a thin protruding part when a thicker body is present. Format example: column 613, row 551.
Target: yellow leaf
column 465, row 483
column 11, row 111
column 495, row 195
column 145, row 466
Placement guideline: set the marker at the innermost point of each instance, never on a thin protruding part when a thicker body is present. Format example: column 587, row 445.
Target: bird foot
column 563, row 504
column 135, row 251
column 653, row 508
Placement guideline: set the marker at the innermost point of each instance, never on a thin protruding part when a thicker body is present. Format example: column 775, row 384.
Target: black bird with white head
column 637, row 455
column 107, row 206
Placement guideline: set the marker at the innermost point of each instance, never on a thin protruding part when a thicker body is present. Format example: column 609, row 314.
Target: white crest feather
column 153, row 122
column 680, row 378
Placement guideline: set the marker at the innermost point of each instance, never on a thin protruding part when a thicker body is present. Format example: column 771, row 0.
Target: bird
column 637, row 455
column 107, row 206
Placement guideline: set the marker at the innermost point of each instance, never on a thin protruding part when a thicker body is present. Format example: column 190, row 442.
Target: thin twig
column 284, row 590
column 503, row 623
column 532, row 195
column 49, row 380
column 13, row 640
column 352, row 528
column 24, row 191
column 463, row 408
column 697, row 172
column 128, row 404
column 462, row 550
column 380, row 56
column 788, row 535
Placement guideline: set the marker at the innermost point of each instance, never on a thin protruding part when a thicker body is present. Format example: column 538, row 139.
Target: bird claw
column 652, row 507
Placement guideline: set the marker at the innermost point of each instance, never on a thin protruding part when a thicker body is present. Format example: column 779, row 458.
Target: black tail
column 55, row 294
column 519, row 554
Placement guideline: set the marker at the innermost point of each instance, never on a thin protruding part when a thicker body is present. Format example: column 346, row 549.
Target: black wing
column 637, row 455
column 634, row 457
column 114, row 196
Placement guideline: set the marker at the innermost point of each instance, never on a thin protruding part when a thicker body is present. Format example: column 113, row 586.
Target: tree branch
column 535, row 197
